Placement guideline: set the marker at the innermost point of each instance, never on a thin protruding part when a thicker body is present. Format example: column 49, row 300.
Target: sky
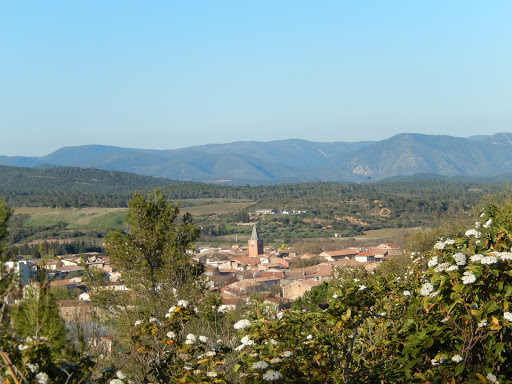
column 171, row 74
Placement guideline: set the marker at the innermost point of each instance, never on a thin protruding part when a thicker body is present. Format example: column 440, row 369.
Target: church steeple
column 255, row 243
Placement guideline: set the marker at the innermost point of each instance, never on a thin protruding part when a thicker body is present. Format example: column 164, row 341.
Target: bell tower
column 255, row 243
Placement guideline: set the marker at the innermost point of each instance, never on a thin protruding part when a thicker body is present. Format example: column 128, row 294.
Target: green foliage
column 5, row 277
column 312, row 300
column 153, row 255
column 38, row 316
column 306, row 262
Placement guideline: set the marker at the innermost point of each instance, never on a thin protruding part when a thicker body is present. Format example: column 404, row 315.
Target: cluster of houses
column 236, row 272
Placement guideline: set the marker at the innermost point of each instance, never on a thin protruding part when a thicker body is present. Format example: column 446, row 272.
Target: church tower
column 255, row 243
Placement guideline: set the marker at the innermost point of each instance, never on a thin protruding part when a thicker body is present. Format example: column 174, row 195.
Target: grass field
column 88, row 218
column 217, row 208
column 108, row 218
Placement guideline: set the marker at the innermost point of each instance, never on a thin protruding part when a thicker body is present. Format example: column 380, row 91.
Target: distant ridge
column 295, row 160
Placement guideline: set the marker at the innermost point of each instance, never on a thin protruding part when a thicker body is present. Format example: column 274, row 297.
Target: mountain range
column 294, row 160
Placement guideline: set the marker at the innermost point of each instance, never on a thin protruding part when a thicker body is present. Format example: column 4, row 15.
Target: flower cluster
column 242, row 324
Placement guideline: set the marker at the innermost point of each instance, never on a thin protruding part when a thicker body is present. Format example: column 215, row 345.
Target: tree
column 153, row 256
column 154, row 259
column 6, row 278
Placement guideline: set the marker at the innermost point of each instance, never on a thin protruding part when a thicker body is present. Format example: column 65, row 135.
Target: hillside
column 294, row 160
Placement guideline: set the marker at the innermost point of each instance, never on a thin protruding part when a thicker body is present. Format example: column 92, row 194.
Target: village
column 236, row 273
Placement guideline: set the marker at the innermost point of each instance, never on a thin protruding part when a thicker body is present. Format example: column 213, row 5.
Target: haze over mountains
column 296, row 160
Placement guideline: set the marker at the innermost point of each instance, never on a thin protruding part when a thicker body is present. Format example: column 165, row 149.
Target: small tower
column 255, row 243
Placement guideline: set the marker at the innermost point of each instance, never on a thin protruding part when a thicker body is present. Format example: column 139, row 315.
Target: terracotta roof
column 60, row 283
column 342, row 252
column 367, row 254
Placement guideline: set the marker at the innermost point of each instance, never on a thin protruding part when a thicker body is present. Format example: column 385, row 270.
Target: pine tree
column 153, row 256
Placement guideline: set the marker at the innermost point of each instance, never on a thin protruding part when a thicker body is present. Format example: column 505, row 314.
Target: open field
column 75, row 218
column 216, row 208
column 108, row 218
column 386, row 233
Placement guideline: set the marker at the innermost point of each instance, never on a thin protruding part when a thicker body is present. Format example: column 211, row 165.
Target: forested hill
column 77, row 187
column 72, row 186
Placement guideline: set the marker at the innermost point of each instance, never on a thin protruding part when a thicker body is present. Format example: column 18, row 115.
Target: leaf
column 481, row 378
column 458, row 287
column 237, row 367
column 499, row 347
column 203, row 361
column 459, row 369
column 494, row 320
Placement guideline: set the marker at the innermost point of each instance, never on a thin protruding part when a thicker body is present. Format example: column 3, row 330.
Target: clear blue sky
column 170, row 74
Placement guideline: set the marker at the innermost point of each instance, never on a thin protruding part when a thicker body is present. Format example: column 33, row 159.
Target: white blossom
column 426, row 289
column 190, row 339
column 357, row 280
column 242, row 324
column 492, row 378
column 433, row 262
column 476, row 257
column 120, row 375
column 449, row 241
column 260, row 365
column 210, row 353
column 171, row 335
column 472, row 232
column 34, row 368
column 187, row 367
column 507, row 316
column 22, row 347
column 452, row 268
column 460, row 258
column 488, row 260
column 273, row 342
column 407, row 293
column 42, row 378
column 441, row 267
column 271, row 375
column 488, row 223
column 439, row 245
column 183, row 303
column 203, row 339
column 457, row 358
column 211, row 374
column 172, row 309
column 246, row 340
column 504, row 255
column 335, row 296
column 468, row 278
column 309, row 337
column 276, row 360
column 482, row 324
column 362, row 287
column 287, row 354
column 434, row 362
